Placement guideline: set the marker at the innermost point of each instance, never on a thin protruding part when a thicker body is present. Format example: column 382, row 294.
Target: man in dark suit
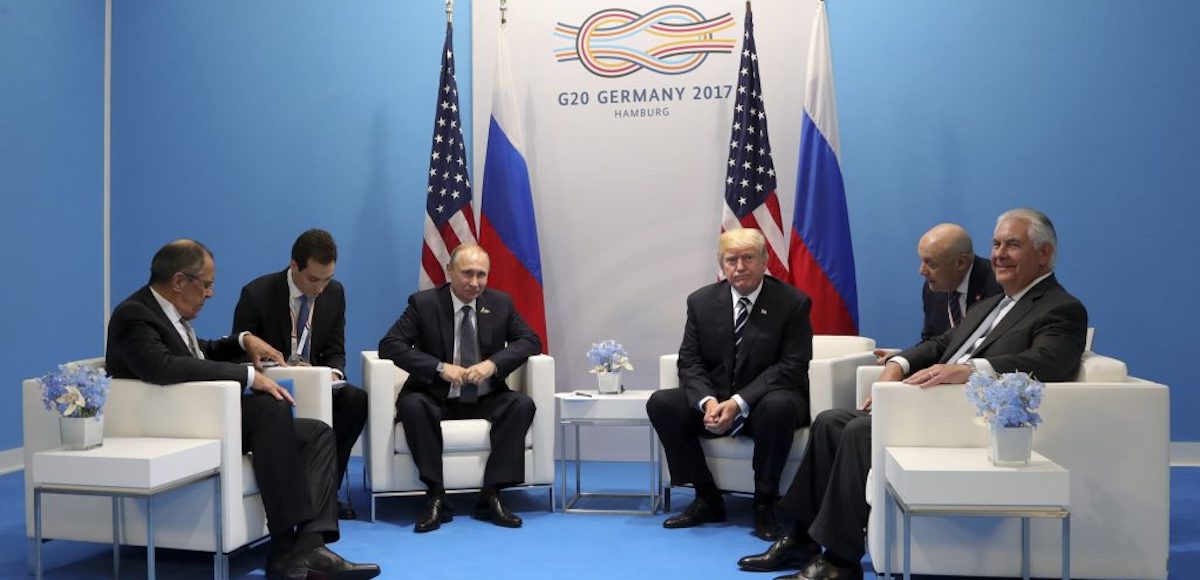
column 955, row 278
column 458, row 343
column 1035, row 327
column 150, row 338
column 743, row 370
column 302, row 311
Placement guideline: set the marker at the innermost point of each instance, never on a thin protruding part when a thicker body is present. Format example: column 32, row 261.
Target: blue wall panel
column 51, row 180
column 242, row 124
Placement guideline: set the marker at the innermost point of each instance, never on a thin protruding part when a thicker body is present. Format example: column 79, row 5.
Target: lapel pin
column 762, row 311
column 484, row 310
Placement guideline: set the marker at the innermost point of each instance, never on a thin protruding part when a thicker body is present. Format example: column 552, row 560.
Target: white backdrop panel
column 629, row 206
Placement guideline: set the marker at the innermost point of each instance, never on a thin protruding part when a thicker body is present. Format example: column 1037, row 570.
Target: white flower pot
column 81, row 432
column 609, row 383
column 1010, row 446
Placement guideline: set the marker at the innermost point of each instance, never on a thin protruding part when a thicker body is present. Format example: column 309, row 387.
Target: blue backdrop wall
column 244, row 123
column 51, row 169
column 241, row 124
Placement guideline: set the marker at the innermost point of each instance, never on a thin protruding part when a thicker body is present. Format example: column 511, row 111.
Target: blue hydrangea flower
column 75, row 390
column 1006, row 400
column 608, row 356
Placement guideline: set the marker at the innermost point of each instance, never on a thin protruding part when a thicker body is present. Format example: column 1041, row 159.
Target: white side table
column 137, row 467
column 961, row 482
column 579, row 408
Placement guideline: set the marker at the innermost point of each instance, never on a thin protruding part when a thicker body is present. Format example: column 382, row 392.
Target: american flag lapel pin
column 762, row 311
column 484, row 310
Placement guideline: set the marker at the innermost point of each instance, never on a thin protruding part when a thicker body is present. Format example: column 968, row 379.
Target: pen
column 583, row 394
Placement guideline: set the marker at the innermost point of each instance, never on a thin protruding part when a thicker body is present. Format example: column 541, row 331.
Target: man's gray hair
column 1041, row 229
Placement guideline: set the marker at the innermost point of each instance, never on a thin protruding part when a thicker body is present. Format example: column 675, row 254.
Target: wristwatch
column 441, row 367
column 971, row 363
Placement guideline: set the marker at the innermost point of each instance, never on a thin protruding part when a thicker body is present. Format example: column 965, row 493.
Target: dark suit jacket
column 937, row 315
column 424, row 336
column 1042, row 335
column 776, row 344
column 143, row 344
column 264, row 309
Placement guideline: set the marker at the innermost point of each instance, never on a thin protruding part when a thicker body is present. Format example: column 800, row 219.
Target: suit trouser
column 293, row 461
column 772, row 424
column 349, row 418
column 828, row 496
column 509, row 412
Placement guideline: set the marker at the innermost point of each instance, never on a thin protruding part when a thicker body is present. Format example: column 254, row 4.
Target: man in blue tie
column 301, row 311
column 458, row 342
column 1035, row 326
column 743, row 370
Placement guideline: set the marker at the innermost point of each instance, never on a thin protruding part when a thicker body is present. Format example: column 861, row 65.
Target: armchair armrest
column 382, row 380
column 867, row 375
column 668, row 371
column 313, row 390
column 832, row 381
column 536, row 379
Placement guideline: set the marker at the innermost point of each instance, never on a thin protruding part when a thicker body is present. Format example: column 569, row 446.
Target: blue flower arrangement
column 75, row 390
column 608, row 357
column 1007, row 399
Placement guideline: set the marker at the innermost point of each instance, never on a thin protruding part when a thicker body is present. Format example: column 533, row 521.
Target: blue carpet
column 550, row 545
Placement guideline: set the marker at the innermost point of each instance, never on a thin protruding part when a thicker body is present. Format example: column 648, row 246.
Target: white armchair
column 208, row 410
column 831, row 380
column 390, row 468
column 1112, row 433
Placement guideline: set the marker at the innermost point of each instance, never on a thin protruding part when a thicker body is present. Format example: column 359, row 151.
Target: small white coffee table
column 962, row 482
column 134, row 467
column 589, row 407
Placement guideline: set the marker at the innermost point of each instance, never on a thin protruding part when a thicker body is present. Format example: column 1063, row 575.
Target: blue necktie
column 301, row 324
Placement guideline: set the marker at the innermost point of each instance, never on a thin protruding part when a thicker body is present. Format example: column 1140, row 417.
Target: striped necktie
column 739, row 322
column 955, row 309
column 302, row 349
column 192, row 341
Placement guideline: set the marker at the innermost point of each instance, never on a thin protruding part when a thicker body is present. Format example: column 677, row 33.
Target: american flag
column 750, row 200
column 449, row 219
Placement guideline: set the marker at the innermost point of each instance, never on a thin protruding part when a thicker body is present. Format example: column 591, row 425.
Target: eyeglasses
column 208, row 284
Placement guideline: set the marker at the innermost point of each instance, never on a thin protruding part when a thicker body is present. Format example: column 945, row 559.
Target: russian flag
column 507, row 228
column 821, row 256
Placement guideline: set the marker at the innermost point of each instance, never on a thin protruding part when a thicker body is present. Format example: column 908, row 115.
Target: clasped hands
column 473, row 375
column 718, row 417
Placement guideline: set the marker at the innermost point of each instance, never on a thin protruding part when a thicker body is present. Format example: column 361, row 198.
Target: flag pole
column 449, row 11
column 503, row 12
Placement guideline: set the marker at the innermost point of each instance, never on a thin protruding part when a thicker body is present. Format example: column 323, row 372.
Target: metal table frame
column 117, row 493
column 655, row 463
column 990, row 511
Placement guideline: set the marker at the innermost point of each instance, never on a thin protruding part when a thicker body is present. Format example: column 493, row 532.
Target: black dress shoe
column 346, row 511
column 489, row 509
column 437, row 512
column 786, row 553
column 822, row 568
column 701, row 510
column 765, row 527
column 325, row 564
